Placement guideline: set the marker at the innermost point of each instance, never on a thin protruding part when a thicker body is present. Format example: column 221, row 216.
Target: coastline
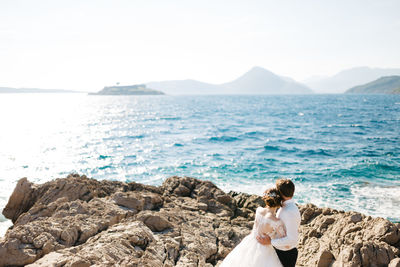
column 77, row 221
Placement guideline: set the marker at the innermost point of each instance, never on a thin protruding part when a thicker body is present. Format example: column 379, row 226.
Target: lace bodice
column 265, row 223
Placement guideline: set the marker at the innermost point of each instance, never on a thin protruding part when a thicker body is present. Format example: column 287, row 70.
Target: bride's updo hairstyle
column 272, row 198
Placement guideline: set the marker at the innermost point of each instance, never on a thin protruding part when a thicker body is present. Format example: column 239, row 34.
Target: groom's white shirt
column 290, row 216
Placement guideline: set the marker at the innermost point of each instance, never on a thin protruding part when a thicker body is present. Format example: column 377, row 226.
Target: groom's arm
column 291, row 219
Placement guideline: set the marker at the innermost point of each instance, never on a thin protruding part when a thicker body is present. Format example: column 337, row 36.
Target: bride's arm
column 267, row 229
column 292, row 235
column 268, row 232
column 280, row 230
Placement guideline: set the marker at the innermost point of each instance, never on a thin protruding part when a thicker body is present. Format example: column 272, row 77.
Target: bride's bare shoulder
column 266, row 213
column 262, row 211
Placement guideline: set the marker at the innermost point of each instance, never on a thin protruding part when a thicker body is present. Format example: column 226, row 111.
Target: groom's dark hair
column 285, row 187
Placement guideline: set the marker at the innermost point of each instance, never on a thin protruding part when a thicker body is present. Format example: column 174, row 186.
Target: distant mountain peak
column 255, row 73
column 258, row 70
column 256, row 81
column 262, row 81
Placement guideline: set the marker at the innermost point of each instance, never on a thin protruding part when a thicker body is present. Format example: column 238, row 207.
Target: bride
column 250, row 252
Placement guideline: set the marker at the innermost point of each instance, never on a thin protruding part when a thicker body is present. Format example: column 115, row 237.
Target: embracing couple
column 273, row 240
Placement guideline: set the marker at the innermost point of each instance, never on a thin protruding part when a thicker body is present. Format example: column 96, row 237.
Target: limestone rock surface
column 77, row 221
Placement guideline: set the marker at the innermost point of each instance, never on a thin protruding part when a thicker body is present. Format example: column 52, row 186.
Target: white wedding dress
column 249, row 252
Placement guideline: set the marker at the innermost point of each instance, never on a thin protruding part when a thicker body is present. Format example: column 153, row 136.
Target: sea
column 341, row 151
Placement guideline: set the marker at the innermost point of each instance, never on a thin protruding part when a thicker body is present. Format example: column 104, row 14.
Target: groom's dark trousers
column 288, row 258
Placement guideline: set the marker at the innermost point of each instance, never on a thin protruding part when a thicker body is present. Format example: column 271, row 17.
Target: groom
column 285, row 247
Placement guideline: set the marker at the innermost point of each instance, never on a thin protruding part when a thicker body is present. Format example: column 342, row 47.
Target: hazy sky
column 87, row 44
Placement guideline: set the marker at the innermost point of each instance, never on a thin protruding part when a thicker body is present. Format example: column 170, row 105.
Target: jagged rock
column 70, row 224
column 204, row 192
column 155, row 222
column 138, row 201
column 249, row 202
column 78, row 221
column 21, row 200
column 346, row 238
column 127, row 240
column 40, row 200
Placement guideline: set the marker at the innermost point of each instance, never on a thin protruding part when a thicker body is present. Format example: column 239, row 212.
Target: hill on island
column 10, row 90
column 348, row 78
column 383, row 85
column 138, row 89
column 257, row 81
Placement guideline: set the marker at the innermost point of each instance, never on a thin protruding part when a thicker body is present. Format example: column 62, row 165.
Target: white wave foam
column 379, row 201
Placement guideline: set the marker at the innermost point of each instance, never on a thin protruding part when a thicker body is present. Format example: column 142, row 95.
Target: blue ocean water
column 342, row 151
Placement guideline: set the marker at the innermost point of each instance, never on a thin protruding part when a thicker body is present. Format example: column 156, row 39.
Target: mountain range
column 349, row 78
column 257, row 81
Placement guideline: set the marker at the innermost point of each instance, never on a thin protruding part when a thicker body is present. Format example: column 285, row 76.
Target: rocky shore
column 77, row 221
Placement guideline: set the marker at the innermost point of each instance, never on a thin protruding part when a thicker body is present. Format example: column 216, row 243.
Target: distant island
column 138, row 89
column 383, row 85
column 10, row 90
column 348, row 78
